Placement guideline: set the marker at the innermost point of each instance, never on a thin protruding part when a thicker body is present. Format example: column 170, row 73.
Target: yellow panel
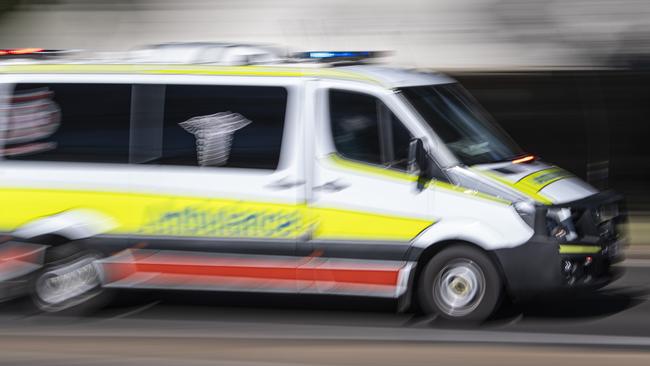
column 341, row 224
column 157, row 215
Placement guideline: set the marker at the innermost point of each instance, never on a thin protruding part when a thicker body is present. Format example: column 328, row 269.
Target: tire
column 69, row 282
column 460, row 284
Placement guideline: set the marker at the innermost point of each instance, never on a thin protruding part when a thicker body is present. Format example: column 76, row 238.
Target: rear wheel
column 70, row 281
column 460, row 283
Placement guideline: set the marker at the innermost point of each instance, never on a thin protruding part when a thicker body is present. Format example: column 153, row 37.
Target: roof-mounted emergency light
column 20, row 51
column 30, row 52
column 333, row 56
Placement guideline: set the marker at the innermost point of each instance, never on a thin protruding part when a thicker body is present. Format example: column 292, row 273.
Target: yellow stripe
column 538, row 180
column 465, row 191
column 394, row 174
column 274, row 71
column 371, row 169
column 524, row 189
column 579, row 249
column 158, row 215
column 344, row 224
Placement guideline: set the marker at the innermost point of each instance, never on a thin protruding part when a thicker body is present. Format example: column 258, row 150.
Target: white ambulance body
column 355, row 180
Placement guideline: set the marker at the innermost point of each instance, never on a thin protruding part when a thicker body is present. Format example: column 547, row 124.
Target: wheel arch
column 68, row 225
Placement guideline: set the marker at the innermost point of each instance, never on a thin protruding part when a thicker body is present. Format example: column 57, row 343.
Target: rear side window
column 190, row 125
column 224, row 126
column 68, row 123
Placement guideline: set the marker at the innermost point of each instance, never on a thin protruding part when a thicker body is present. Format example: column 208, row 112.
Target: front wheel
column 460, row 283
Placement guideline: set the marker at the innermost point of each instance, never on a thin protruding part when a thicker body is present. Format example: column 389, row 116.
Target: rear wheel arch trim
column 72, row 224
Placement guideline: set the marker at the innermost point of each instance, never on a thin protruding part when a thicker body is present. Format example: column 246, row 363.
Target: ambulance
column 225, row 167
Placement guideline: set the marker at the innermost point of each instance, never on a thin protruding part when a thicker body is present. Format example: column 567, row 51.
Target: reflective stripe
column 579, row 249
column 465, row 191
column 370, row 169
column 164, row 215
column 540, row 179
column 525, row 189
column 187, row 70
column 176, row 269
column 403, row 176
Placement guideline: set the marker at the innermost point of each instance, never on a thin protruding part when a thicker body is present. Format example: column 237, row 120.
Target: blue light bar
column 338, row 54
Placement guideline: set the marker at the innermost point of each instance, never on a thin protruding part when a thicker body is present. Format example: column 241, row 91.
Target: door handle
column 285, row 183
column 332, row 186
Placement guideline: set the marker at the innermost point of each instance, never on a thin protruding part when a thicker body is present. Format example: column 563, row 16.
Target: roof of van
column 384, row 76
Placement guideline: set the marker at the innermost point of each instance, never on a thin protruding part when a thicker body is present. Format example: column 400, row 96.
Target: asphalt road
column 172, row 328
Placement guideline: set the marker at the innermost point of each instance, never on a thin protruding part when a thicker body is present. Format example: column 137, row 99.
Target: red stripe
column 256, row 269
column 360, row 276
column 374, row 277
column 226, row 271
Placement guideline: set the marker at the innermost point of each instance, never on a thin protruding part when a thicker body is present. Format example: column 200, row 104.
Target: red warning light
column 24, row 51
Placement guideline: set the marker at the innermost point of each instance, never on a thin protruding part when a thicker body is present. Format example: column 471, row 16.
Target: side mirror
column 419, row 161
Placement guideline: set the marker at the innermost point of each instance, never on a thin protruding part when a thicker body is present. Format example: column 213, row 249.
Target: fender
column 462, row 229
column 72, row 224
column 473, row 231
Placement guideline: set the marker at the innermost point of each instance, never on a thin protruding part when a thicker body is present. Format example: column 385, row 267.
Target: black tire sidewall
column 493, row 283
column 59, row 256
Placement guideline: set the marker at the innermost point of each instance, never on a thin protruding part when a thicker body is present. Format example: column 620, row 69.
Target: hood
column 539, row 181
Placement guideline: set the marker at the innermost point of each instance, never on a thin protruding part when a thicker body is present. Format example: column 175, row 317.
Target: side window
column 229, row 126
column 68, row 123
column 355, row 126
column 365, row 130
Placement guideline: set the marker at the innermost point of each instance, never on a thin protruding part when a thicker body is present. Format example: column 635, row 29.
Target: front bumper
column 543, row 266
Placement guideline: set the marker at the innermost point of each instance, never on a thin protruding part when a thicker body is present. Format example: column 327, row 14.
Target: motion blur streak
column 16, row 260
column 476, row 34
column 151, row 150
column 200, row 351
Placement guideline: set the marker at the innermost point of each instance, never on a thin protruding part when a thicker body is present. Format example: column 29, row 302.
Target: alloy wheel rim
column 459, row 288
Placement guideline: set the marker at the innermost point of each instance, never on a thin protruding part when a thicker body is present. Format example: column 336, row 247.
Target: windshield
column 462, row 124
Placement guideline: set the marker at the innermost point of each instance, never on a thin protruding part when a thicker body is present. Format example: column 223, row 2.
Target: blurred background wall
column 593, row 122
column 568, row 79
column 424, row 33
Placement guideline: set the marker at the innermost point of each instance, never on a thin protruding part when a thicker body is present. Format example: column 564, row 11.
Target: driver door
column 365, row 203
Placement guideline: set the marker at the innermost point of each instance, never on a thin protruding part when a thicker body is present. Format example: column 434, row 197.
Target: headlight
column 560, row 224
column 526, row 210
